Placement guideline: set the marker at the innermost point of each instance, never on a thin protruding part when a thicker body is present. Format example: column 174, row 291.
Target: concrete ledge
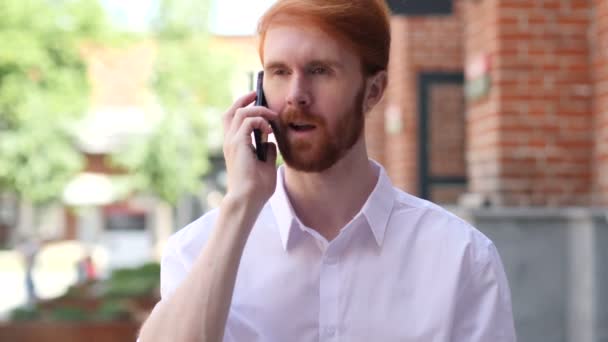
column 556, row 261
column 530, row 212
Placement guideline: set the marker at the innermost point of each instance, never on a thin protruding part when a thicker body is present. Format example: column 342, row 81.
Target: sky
column 228, row 17
column 237, row 17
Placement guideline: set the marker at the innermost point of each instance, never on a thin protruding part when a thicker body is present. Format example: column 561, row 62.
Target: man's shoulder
column 439, row 223
column 193, row 236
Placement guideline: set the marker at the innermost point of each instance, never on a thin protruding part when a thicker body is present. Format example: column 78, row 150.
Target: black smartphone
column 259, row 137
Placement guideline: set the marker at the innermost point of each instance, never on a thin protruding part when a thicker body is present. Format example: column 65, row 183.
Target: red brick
column 600, row 57
column 542, row 79
column 534, row 138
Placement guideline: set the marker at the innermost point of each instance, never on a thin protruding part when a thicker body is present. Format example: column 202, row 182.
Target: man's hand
column 248, row 177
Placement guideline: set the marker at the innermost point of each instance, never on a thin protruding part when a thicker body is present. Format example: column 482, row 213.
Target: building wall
column 419, row 44
column 119, row 76
column 447, row 138
column 480, row 32
column 599, row 37
column 375, row 132
column 530, row 138
column 554, row 260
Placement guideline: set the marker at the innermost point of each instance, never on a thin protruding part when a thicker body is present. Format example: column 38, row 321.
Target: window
column 418, row 7
column 124, row 218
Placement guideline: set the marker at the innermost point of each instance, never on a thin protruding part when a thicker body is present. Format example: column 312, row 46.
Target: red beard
column 321, row 148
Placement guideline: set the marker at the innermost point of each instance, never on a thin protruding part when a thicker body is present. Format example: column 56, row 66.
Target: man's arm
column 198, row 308
column 484, row 312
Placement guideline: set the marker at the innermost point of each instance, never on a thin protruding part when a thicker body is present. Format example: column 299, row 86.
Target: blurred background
column 110, row 141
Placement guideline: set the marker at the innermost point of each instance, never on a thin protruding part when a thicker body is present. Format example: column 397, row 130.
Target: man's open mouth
column 302, row 127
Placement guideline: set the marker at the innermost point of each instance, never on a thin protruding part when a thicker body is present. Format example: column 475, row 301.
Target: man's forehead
column 302, row 44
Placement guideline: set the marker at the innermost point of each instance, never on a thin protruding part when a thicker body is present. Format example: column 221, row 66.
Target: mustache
column 294, row 114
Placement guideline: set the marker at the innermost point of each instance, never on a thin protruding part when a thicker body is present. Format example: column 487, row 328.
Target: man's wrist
column 242, row 204
column 243, row 199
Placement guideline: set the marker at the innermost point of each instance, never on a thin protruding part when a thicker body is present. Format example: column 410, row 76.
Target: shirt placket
column 329, row 325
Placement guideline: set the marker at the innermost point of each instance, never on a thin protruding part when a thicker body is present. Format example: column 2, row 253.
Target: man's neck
column 328, row 200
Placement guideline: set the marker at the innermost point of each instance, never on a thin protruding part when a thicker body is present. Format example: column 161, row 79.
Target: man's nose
column 299, row 94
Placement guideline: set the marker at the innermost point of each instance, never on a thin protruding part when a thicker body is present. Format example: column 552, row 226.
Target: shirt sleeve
column 172, row 269
column 483, row 310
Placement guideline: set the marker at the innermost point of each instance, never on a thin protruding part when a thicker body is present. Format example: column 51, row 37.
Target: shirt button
column 330, row 260
column 330, row 331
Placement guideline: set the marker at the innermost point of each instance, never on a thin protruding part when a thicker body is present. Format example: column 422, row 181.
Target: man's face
column 316, row 85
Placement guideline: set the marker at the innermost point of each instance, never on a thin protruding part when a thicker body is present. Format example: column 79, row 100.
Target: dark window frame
column 421, row 7
column 425, row 81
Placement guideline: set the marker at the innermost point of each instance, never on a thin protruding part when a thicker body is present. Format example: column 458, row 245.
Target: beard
column 323, row 147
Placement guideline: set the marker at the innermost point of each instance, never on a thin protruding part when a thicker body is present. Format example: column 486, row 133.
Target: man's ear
column 375, row 88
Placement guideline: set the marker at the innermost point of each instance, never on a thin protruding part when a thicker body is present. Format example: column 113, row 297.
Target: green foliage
column 170, row 160
column 43, row 86
column 176, row 19
column 42, row 74
column 24, row 314
column 37, row 160
column 188, row 75
column 112, row 310
column 151, row 269
column 188, row 79
column 134, row 282
column 113, row 299
column 68, row 314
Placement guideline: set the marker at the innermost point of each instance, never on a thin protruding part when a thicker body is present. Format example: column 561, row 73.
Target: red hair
column 363, row 25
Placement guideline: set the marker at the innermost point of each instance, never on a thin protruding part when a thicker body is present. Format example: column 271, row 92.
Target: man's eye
column 318, row 71
column 279, row 72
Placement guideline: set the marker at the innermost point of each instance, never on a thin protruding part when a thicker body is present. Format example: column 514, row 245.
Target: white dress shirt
column 403, row 269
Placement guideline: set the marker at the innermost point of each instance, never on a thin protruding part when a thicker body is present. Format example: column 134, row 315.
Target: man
column 325, row 248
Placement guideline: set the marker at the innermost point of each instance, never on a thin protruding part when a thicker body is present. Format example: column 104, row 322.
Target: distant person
column 90, row 270
column 29, row 248
column 86, row 269
column 325, row 248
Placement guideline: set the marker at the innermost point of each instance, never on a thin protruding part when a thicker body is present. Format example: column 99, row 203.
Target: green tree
column 189, row 80
column 43, row 88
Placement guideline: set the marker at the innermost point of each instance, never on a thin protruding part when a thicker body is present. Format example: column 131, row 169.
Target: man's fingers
column 243, row 113
column 251, row 123
column 242, row 101
column 239, row 103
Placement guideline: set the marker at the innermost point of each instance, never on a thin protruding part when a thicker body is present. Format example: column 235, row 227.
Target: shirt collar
column 379, row 205
column 283, row 211
column 377, row 209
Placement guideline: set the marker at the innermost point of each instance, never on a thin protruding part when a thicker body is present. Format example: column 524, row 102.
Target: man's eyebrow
column 316, row 62
column 275, row 65
column 325, row 62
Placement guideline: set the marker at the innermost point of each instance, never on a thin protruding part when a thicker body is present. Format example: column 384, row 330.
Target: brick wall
column 530, row 141
column 395, row 157
column 599, row 37
column 480, row 32
column 374, row 132
column 425, row 43
column 119, row 76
